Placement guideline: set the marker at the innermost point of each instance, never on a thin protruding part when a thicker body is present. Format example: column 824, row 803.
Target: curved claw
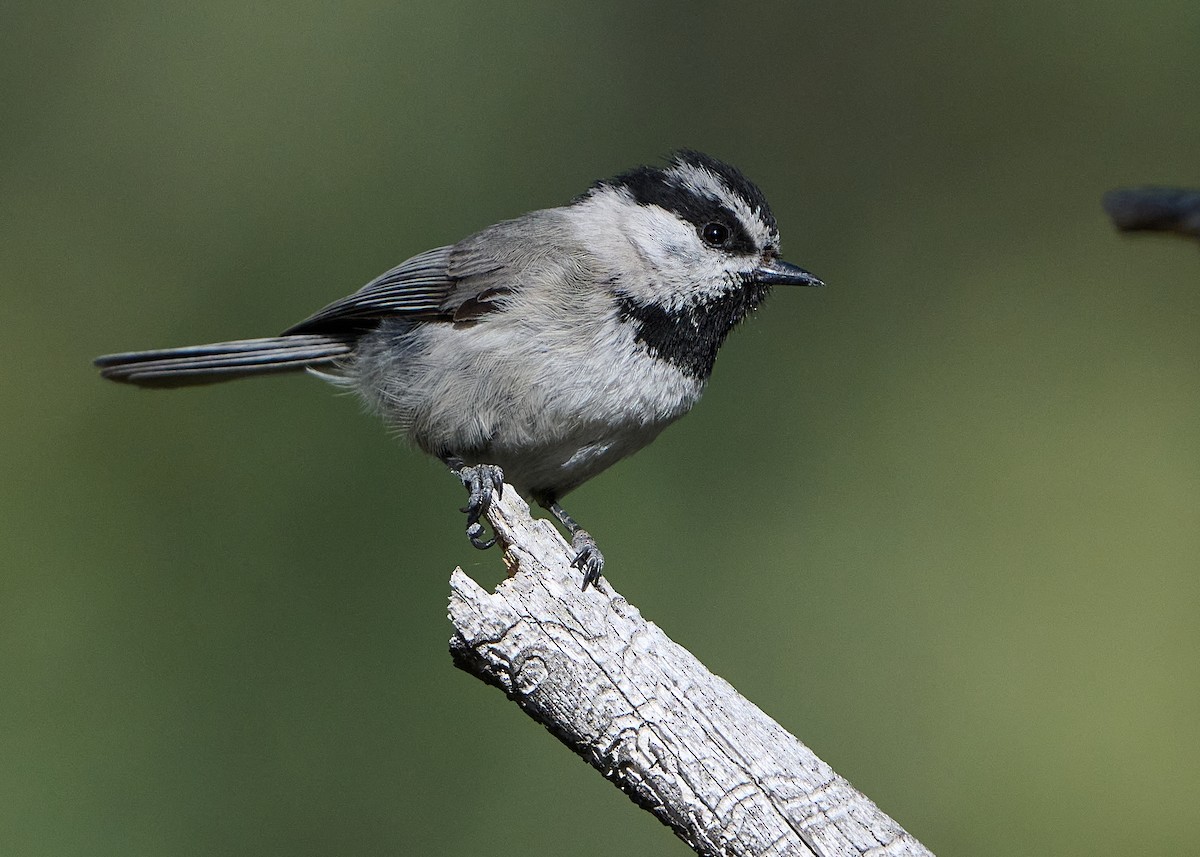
column 475, row 535
column 588, row 558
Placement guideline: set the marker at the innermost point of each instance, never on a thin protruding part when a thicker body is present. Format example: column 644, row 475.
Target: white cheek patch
column 676, row 267
column 685, row 271
column 629, row 237
column 660, row 237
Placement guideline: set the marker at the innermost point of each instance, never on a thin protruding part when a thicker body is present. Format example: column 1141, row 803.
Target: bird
column 540, row 350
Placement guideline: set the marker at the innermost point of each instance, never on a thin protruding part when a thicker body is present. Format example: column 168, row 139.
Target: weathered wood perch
column 680, row 741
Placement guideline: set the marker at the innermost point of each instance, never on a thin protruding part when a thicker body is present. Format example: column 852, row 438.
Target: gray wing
column 458, row 283
column 417, row 287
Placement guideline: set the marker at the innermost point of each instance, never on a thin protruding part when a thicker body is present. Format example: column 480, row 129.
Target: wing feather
column 458, row 283
column 417, row 287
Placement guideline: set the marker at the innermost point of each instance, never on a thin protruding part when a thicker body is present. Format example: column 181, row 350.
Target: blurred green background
column 939, row 519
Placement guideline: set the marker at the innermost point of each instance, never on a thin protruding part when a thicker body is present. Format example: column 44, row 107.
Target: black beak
column 780, row 273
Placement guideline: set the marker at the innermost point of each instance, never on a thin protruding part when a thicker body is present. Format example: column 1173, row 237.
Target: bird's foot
column 484, row 483
column 588, row 558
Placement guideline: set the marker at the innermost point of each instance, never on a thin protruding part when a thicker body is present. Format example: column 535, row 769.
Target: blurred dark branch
column 1155, row 209
column 681, row 742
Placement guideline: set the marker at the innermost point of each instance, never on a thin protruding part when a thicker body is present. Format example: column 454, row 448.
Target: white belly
column 551, row 408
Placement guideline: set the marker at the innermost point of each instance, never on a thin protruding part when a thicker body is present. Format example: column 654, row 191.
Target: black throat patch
column 690, row 337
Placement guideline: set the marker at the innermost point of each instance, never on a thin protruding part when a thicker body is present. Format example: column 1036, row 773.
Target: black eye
column 715, row 234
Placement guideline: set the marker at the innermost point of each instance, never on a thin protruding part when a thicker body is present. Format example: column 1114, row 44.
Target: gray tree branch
column 639, row 708
column 1155, row 209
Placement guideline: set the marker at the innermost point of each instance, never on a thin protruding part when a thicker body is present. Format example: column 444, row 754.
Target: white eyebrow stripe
column 703, row 181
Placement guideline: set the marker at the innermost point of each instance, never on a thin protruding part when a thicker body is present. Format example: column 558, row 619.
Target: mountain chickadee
column 543, row 349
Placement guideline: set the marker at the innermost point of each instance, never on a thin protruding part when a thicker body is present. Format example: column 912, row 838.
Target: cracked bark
column 681, row 742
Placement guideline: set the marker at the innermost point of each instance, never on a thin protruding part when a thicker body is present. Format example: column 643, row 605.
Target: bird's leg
column 588, row 558
column 483, row 482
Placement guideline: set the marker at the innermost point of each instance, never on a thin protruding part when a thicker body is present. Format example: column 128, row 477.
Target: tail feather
column 223, row 361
